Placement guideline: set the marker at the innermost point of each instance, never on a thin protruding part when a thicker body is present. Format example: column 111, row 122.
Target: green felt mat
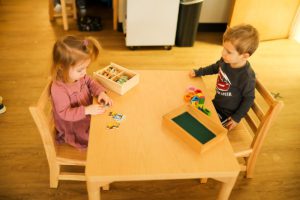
column 194, row 127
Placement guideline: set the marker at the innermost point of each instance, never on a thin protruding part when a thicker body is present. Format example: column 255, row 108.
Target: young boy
column 236, row 80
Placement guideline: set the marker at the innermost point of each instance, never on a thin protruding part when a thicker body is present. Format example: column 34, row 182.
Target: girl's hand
column 192, row 74
column 231, row 124
column 94, row 109
column 104, row 99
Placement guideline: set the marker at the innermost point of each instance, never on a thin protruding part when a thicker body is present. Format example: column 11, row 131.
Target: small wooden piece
column 112, row 77
column 195, row 128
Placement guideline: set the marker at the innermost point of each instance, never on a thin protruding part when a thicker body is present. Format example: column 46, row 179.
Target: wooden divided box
column 197, row 129
column 117, row 78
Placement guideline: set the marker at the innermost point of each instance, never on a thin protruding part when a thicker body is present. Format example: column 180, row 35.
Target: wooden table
column 142, row 148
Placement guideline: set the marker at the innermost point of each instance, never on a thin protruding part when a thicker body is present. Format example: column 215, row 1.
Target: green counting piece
column 206, row 111
column 194, row 127
column 122, row 79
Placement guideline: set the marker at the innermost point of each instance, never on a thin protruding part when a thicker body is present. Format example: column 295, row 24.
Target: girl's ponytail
column 92, row 47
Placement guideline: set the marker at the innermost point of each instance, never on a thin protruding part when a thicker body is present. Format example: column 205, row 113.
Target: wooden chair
column 248, row 137
column 58, row 155
column 68, row 8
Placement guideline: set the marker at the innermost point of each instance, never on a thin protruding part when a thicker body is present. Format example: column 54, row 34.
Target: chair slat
column 264, row 93
column 244, row 153
column 72, row 176
column 258, row 111
column 251, row 123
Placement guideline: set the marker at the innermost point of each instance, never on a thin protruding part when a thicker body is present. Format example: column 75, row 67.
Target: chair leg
column 203, row 180
column 106, row 187
column 64, row 14
column 251, row 161
column 74, row 9
column 51, row 10
column 249, row 171
column 54, row 172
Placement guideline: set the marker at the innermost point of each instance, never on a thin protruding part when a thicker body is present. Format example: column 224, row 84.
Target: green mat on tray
column 194, row 127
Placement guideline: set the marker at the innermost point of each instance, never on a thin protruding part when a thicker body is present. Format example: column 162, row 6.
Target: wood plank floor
column 26, row 39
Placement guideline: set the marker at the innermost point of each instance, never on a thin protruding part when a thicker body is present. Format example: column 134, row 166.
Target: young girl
column 72, row 90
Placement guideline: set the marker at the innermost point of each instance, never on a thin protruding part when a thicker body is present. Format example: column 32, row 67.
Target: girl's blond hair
column 69, row 51
column 244, row 38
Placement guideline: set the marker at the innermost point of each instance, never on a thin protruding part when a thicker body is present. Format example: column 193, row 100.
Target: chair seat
column 70, row 155
column 240, row 138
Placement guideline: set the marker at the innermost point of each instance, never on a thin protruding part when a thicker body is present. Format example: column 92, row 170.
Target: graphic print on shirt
column 223, row 84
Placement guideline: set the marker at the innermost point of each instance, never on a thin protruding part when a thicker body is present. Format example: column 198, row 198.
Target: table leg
column 115, row 14
column 226, row 188
column 93, row 189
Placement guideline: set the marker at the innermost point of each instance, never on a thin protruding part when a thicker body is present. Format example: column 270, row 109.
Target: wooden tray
column 197, row 129
column 109, row 75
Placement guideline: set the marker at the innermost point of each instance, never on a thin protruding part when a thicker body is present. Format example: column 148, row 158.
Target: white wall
column 215, row 11
column 295, row 29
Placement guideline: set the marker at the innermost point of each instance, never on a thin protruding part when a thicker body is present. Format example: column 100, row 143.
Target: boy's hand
column 94, row 109
column 231, row 124
column 104, row 99
column 192, row 74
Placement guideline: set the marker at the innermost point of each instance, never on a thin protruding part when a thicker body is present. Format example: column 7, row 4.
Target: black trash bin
column 188, row 18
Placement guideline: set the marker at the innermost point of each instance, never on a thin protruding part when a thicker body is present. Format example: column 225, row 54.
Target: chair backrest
column 259, row 119
column 265, row 114
column 43, row 118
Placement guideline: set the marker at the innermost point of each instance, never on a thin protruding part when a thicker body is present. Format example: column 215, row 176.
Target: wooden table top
column 142, row 148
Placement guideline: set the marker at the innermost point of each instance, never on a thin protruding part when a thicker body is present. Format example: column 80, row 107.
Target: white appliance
column 151, row 22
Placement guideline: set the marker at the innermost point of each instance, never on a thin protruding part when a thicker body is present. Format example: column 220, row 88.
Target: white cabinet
column 151, row 22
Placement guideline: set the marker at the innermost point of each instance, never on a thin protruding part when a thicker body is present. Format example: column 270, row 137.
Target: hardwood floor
column 26, row 39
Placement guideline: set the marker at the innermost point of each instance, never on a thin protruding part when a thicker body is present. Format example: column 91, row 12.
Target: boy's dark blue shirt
column 235, row 88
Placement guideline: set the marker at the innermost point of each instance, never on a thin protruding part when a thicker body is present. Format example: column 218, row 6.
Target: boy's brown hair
column 244, row 38
column 69, row 51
